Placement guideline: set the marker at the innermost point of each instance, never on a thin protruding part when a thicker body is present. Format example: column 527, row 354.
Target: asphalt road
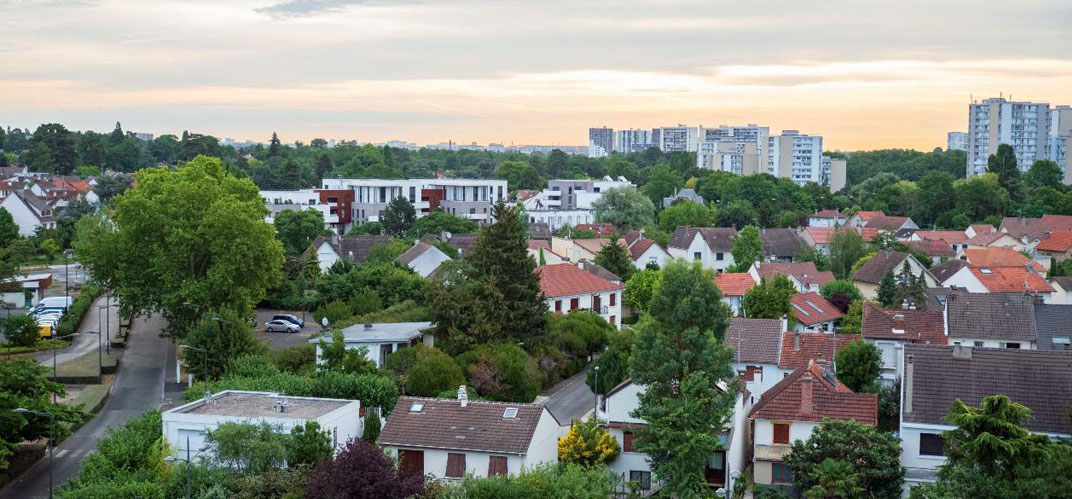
column 138, row 387
column 570, row 399
column 96, row 319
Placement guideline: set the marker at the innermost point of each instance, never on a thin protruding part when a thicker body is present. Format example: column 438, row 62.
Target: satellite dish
column 324, row 321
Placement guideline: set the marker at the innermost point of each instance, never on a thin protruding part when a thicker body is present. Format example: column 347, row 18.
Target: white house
column 584, row 286
column 711, row 246
column 382, row 339
column 792, row 409
column 804, row 275
column 423, row 258
column 29, row 212
column 451, row 438
column 991, row 320
column 185, row 426
column 354, row 249
column 645, row 251
column 814, row 313
column 757, row 345
column 868, row 276
column 734, row 285
column 722, row 469
column 27, row 290
column 936, row 376
column 827, row 218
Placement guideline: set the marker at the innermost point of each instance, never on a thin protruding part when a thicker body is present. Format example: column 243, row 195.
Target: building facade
column 796, row 156
column 632, row 140
column 679, row 138
column 956, row 141
column 996, row 121
column 600, row 142
column 466, row 198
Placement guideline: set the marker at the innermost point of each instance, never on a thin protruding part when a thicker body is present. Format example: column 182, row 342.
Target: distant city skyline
column 511, row 72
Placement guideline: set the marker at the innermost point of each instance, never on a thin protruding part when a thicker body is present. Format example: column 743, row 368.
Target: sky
column 864, row 74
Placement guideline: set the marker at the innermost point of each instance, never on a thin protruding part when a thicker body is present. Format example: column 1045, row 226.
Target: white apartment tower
column 796, row 156
column 1060, row 142
column 741, row 150
column 956, row 141
column 996, row 121
column 679, row 138
column 600, row 142
column 632, row 140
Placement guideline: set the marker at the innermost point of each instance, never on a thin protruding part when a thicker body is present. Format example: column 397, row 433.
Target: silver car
column 279, row 326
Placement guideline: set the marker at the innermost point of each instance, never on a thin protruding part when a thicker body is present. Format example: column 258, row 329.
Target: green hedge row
column 77, row 311
column 372, row 390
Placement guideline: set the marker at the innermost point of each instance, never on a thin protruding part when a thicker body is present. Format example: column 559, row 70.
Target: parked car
column 293, row 319
column 40, row 311
column 280, row 326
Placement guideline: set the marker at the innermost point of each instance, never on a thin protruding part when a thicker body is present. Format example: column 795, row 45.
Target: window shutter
column 455, row 465
column 496, row 465
column 781, row 433
column 627, row 441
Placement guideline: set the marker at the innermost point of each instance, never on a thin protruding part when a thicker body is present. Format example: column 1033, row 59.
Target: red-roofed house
column 819, row 237
column 568, row 287
column 999, row 280
column 890, row 330
column 1057, row 246
column 539, row 247
column 995, row 240
column 792, row 409
column 804, row 275
column 600, row 230
column 861, row 218
column 976, row 229
column 999, row 257
column 798, row 348
column 733, row 286
column 644, row 250
column 580, row 249
column 814, row 313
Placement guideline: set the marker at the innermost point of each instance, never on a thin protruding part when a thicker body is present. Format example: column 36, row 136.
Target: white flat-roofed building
column 796, row 156
column 297, row 200
column 679, row 138
column 186, row 426
column 996, row 121
column 466, row 198
column 382, row 339
column 956, row 141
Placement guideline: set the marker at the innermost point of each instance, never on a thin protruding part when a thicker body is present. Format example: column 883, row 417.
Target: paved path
column 570, row 399
column 138, row 387
column 96, row 319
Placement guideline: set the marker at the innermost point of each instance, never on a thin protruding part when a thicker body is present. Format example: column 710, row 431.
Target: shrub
column 372, row 425
column 252, row 366
column 365, row 302
column 432, row 372
column 372, row 390
column 21, row 330
column 407, row 311
column 361, row 470
column 297, row 359
column 587, row 443
column 248, row 448
column 502, row 371
column 334, row 311
column 549, row 481
column 79, row 306
column 224, row 340
column 308, row 444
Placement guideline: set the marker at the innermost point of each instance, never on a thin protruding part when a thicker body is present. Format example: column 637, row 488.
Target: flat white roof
column 261, row 404
column 394, row 332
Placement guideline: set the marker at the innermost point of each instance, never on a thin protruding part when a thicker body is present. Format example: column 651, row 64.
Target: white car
column 280, row 326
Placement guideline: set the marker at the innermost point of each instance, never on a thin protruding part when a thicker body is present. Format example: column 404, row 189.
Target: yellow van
column 44, row 330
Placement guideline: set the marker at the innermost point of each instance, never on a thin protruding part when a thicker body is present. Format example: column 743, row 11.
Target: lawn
column 41, row 346
column 82, row 368
column 91, row 397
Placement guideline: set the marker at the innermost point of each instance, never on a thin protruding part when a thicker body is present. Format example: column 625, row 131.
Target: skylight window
column 510, row 413
column 986, row 271
column 416, row 407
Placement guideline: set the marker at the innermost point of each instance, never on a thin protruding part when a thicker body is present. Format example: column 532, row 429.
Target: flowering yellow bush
column 587, row 443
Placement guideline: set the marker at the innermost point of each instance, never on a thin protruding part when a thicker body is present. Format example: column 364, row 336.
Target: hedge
column 73, row 318
column 372, row 390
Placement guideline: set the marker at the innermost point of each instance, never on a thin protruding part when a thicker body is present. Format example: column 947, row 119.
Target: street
column 86, row 341
column 570, row 399
column 139, row 386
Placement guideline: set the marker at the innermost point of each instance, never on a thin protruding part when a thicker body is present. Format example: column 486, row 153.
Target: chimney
column 909, row 371
column 334, row 239
column 785, row 324
column 962, row 352
column 898, row 324
column 208, row 396
column 282, row 406
column 796, row 341
column 807, row 385
column 463, row 396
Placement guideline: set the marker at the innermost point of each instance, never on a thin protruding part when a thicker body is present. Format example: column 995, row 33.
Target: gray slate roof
column 717, row 238
column 394, row 332
column 755, row 340
column 414, row 252
column 352, row 248
column 781, row 243
column 993, row 316
column 445, row 424
column 1040, row 380
column 1054, row 326
column 876, row 268
column 946, row 269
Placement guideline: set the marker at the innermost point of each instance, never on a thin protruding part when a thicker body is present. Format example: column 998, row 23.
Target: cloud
column 305, row 8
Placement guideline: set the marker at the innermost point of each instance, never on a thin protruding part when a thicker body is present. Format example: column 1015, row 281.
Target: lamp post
column 596, row 414
column 51, row 437
column 187, row 461
column 54, row 359
column 204, row 355
column 106, row 308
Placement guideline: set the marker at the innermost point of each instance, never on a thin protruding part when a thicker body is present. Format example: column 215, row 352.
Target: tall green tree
column 640, row 288
column 308, row 444
column 889, row 295
column 769, row 299
column 662, row 182
column 275, row 147
column 23, row 384
column 52, row 149
column 297, row 229
column 834, row 479
column 689, row 387
column 875, row 456
column 615, row 258
column 9, row 230
column 685, row 212
column 1044, row 173
column 747, row 249
column 398, row 217
column 858, row 366
column 625, row 207
column 1003, row 164
column 519, row 175
column 184, row 242
column 224, row 335
column 846, row 247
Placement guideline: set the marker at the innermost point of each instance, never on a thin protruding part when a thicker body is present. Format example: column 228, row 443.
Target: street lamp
column 67, row 280
column 170, row 459
column 54, row 376
column 204, row 355
column 596, row 414
column 107, row 320
column 51, row 437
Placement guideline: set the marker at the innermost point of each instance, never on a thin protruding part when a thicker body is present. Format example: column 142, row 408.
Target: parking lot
column 279, row 341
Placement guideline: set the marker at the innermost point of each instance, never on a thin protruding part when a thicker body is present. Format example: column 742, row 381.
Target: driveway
column 570, row 399
column 279, row 341
column 139, row 386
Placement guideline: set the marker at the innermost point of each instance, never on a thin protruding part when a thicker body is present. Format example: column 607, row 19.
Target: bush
column 365, row 302
column 335, row 311
column 21, row 330
column 371, row 390
column 407, row 311
column 79, row 306
column 502, row 371
column 121, row 453
column 223, row 340
column 587, row 443
column 297, row 359
column 566, row 481
column 361, row 470
column 372, row 425
column 252, row 366
column 432, row 372
column 308, row 444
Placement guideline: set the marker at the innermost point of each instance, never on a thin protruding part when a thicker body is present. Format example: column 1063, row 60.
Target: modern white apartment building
column 796, row 156
column 632, row 140
column 956, row 141
column 1060, row 141
column 468, row 198
column 297, row 200
column 679, row 138
column 600, row 142
column 835, row 171
column 996, row 121
column 735, row 149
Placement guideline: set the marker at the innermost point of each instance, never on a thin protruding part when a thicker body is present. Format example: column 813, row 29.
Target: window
column 641, row 477
column 627, row 441
column 510, row 413
column 931, row 444
column 496, row 465
column 574, row 304
column 720, row 256
column 472, row 211
column 780, row 473
column 1013, row 345
column 781, row 433
column 558, row 305
column 383, row 194
column 978, row 344
column 455, row 465
column 613, row 298
column 412, row 194
column 696, row 255
column 335, row 437
column 412, row 461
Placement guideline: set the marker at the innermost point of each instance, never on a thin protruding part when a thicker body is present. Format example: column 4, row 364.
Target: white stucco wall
column 23, row 215
column 761, row 381
column 708, row 259
column 963, row 278
column 990, row 343
column 327, row 256
column 654, row 253
column 585, row 303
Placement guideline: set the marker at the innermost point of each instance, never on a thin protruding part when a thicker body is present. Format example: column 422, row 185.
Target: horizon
column 509, row 72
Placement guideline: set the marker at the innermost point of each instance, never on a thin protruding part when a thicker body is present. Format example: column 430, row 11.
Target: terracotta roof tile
column 1040, row 380
column 734, row 283
column 832, row 214
column 983, row 228
column 603, row 229
column 916, row 326
column 805, row 272
column 1058, row 240
column 1011, row 279
column 813, row 346
column 810, row 309
column 949, row 236
column 887, row 222
column 934, row 248
column 829, row 399
column 869, row 215
column 445, row 424
column 568, row 280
